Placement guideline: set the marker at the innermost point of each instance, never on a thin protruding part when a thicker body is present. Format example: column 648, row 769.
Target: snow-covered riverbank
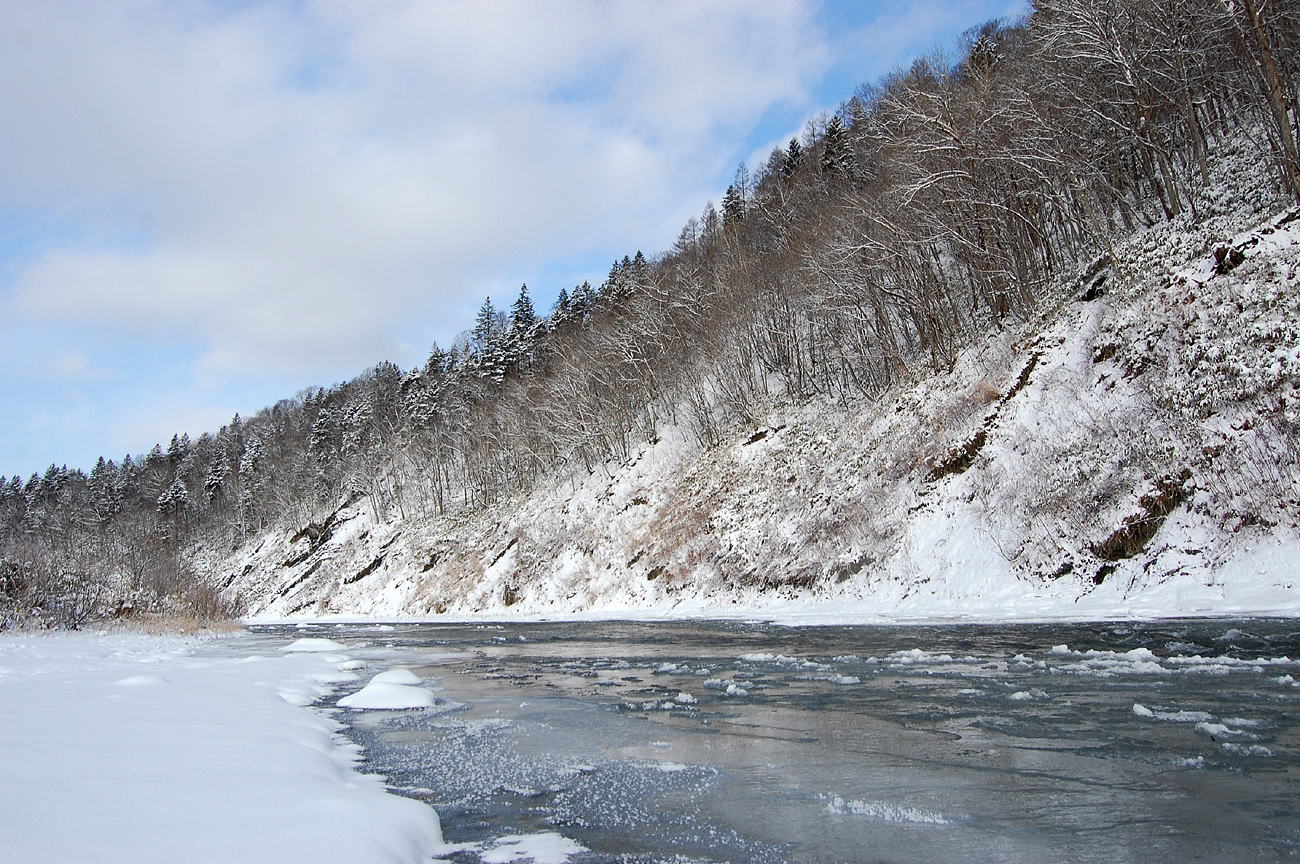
column 1128, row 453
column 129, row 747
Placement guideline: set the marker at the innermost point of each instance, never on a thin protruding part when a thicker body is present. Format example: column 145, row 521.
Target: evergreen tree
column 582, row 300
column 485, row 327
column 616, row 282
column 175, row 499
column 522, row 315
column 793, row 158
column 733, row 206
column 439, row 362
column 837, row 151
column 562, row 309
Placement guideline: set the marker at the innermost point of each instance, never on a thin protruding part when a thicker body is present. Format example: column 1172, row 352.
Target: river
column 708, row 741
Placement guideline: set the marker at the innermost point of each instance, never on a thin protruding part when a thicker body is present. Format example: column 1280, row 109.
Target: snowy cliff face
column 1133, row 450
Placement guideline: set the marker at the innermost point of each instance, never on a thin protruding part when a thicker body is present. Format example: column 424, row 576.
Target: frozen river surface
column 728, row 742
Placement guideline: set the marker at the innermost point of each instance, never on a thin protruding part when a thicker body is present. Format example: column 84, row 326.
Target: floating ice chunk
column 1220, row 730
column 666, row 669
column 725, row 683
column 386, row 696
column 1220, row 665
column 1029, row 695
column 670, row 767
column 315, row 643
column 1247, row 749
column 1174, row 716
column 1285, row 679
column 757, row 658
column 685, row 698
column 1020, row 663
column 1241, row 721
column 350, row 665
column 547, row 848
column 396, row 676
column 733, row 690
column 845, row 680
column 886, row 812
column 917, row 655
column 1060, row 649
column 1190, row 762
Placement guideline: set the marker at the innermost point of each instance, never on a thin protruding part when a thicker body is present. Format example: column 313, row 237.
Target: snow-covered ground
column 123, row 747
column 1133, row 451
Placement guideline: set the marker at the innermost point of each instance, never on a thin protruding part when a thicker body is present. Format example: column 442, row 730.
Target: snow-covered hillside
column 1133, row 450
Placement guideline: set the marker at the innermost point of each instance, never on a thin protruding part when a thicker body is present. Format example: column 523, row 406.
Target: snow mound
column 140, row 681
column 386, row 696
column 396, row 676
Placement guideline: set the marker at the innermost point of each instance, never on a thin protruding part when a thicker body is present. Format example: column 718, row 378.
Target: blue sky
column 209, row 206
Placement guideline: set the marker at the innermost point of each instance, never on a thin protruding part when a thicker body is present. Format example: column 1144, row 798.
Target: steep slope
column 1134, row 449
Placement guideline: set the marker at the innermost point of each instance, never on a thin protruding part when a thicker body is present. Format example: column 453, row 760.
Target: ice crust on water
column 546, row 848
column 885, row 811
column 314, row 643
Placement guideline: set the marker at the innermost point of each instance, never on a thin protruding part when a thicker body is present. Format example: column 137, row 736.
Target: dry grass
column 177, row 624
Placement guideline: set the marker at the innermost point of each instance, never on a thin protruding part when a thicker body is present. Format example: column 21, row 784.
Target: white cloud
column 287, row 186
column 77, row 365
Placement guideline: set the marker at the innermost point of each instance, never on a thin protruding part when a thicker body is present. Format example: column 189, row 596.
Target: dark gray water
column 728, row 742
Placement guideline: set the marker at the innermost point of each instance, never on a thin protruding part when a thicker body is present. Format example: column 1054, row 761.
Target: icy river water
column 747, row 742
